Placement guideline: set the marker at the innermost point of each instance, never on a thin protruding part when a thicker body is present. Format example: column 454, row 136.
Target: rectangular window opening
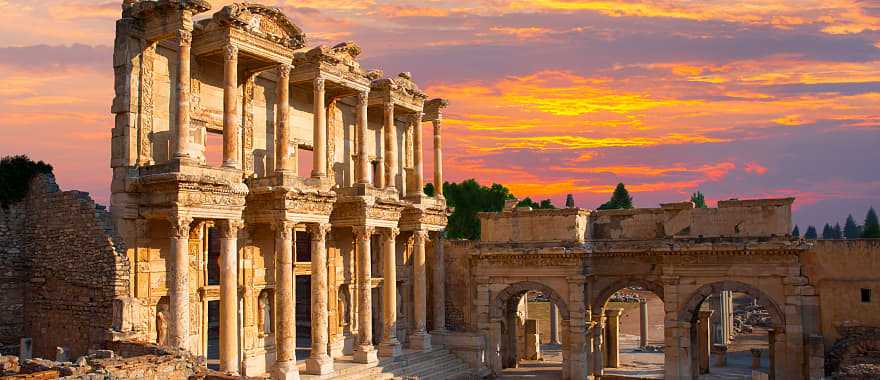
column 305, row 161
column 866, row 295
column 214, row 149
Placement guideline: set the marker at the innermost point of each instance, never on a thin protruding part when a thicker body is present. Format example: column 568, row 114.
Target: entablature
column 337, row 64
column 400, row 91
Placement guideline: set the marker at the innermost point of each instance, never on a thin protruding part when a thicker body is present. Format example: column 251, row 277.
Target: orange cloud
column 755, row 168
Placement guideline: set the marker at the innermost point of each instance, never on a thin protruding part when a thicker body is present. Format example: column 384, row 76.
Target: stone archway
column 688, row 315
column 503, row 310
column 606, row 293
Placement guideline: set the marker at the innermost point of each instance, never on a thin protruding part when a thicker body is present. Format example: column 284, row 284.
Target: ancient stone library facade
column 267, row 210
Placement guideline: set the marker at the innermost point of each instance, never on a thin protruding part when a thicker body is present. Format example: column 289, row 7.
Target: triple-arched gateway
column 578, row 259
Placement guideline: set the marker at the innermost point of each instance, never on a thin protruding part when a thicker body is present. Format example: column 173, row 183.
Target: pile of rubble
column 746, row 318
column 131, row 361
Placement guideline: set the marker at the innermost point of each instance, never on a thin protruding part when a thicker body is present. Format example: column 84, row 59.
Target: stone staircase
column 437, row 364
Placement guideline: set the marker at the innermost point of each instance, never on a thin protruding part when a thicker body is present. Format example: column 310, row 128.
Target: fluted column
column 282, row 117
column 319, row 363
column 390, row 147
column 390, row 346
column 363, row 164
column 285, row 324
column 364, row 352
column 177, row 267
column 438, row 160
column 229, row 295
column 419, row 182
column 420, row 339
column 230, row 108
column 181, row 138
column 320, row 131
column 438, row 278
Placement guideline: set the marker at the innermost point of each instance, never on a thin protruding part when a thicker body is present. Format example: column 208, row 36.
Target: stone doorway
column 633, row 335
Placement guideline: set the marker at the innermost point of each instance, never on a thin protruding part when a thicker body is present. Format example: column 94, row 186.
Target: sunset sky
column 745, row 99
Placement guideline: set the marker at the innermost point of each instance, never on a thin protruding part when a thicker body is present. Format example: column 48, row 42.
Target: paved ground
column 549, row 368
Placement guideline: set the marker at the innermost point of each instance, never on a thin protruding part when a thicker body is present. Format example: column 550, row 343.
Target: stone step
column 441, row 367
column 437, row 364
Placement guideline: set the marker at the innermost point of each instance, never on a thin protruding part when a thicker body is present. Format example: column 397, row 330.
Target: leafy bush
column 16, row 173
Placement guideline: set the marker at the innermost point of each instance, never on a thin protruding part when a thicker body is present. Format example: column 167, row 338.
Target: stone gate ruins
column 267, row 197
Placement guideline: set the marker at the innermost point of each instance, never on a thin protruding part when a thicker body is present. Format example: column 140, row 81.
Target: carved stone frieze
column 263, row 21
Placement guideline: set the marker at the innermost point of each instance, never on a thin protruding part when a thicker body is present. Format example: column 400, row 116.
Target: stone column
column 390, row 346
column 420, row 340
column 363, row 164
column 419, row 182
column 228, row 230
column 390, row 147
column 180, row 142
column 230, row 108
column 319, row 363
column 364, row 352
column 612, row 344
column 319, row 150
column 554, row 324
column 438, row 278
column 282, row 117
column 285, row 323
column 643, row 323
column 177, row 267
column 704, row 339
column 438, row 166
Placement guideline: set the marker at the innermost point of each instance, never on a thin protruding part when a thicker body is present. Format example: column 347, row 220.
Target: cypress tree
column 620, row 199
column 569, row 201
column 871, row 229
column 811, row 233
column 827, row 232
column 838, row 232
column 850, row 228
column 698, row 199
column 796, row 232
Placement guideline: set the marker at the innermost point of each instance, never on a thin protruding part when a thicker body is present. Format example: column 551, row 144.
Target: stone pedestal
column 720, row 352
column 319, row 363
column 756, row 358
column 533, row 340
column 420, row 339
column 612, row 337
column 390, row 346
column 364, row 352
column 704, row 340
column 643, row 323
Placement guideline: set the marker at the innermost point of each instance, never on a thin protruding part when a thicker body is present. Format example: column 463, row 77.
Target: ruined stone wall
column 840, row 269
column 460, row 291
column 73, row 265
column 732, row 218
column 558, row 225
column 13, row 267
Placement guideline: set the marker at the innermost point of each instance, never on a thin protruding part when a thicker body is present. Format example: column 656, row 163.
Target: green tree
column 871, row 230
column 429, row 189
column 850, row 228
column 796, row 232
column 698, row 199
column 546, row 204
column 620, row 199
column 811, row 233
column 467, row 199
column 838, row 232
column 827, row 232
column 569, row 201
column 528, row 202
column 16, row 173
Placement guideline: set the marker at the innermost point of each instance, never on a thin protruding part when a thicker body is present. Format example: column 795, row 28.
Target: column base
column 285, row 371
column 336, row 347
column 365, row 354
column 420, row 341
column 438, row 337
column 319, row 365
column 390, row 349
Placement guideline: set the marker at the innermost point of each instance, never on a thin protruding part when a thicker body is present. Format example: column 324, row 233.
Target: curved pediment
column 141, row 9
column 267, row 22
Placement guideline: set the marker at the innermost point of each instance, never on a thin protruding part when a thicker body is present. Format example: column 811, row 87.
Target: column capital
column 389, row 233
column 388, row 106
column 284, row 228
column 283, row 71
column 180, row 226
column 421, row 234
column 184, row 37
column 416, row 118
column 318, row 83
column 363, row 232
column 228, row 228
column 319, row 230
column 230, row 51
column 363, row 96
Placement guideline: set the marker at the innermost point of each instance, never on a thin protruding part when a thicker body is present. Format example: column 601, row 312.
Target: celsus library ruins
column 268, row 220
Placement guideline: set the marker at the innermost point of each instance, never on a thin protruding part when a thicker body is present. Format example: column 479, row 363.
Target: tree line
column 870, row 229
